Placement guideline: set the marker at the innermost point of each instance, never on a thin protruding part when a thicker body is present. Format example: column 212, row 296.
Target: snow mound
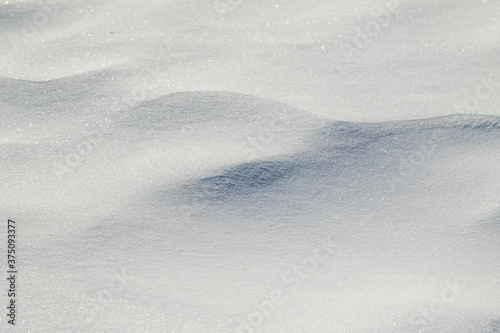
column 368, row 222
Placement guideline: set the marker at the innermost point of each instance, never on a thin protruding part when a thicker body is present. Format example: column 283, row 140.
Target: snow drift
column 251, row 166
column 356, row 226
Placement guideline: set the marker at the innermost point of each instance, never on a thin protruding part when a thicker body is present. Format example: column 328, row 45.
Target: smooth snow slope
column 179, row 219
column 239, row 166
column 424, row 59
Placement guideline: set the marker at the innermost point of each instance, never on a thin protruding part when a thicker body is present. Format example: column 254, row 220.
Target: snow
column 251, row 166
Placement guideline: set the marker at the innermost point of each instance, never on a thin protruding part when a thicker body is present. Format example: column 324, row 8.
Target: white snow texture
column 312, row 166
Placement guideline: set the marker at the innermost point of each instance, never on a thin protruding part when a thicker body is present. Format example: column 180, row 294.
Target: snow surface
column 252, row 166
